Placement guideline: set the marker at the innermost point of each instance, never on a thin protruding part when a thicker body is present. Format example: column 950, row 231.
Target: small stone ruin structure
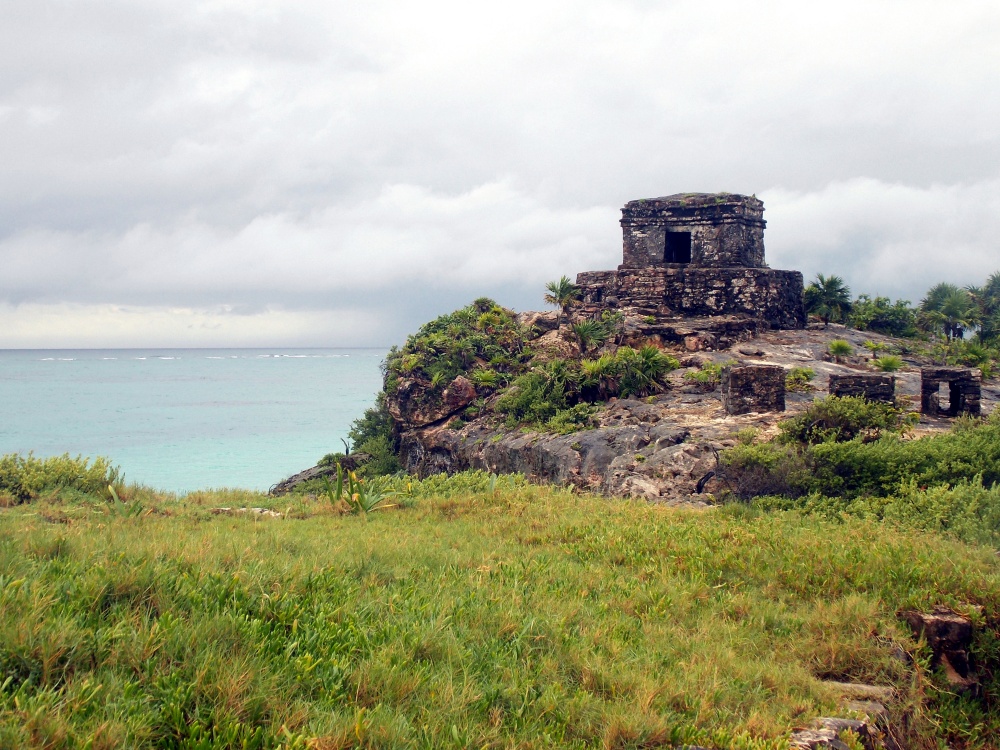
column 871, row 387
column 964, row 391
column 753, row 388
column 697, row 254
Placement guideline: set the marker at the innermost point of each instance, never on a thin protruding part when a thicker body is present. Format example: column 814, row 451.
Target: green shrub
column 751, row 470
column 968, row 511
column 485, row 378
column 24, row 478
column 537, row 396
column 878, row 468
column 888, row 363
column 372, row 434
column 589, row 333
column 970, row 354
column 837, row 419
column 798, row 378
column 856, row 468
column 707, row 376
column 573, row 419
column 882, row 316
column 643, row 370
column 454, row 344
column 875, row 346
column 627, row 372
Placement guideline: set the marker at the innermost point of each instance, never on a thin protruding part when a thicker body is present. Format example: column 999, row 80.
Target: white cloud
column 304, row 156
column 405, row 235
column 888, row 239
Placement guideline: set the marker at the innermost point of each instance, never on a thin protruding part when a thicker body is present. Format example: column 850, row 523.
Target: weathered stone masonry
column 696, row 254
column 757, row 388
column 872, row 387
column 720, row 230
column 964, row 391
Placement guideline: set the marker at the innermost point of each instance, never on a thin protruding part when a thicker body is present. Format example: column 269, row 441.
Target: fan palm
column 590, row 333
column 987, row 299
column 950, row 309
column 828, row 297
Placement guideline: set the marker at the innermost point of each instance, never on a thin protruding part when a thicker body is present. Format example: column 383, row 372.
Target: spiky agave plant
column 361, row 496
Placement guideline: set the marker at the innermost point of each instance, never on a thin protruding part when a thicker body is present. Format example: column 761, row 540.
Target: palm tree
column 829, row 298
column 563, row 294
column 950, row 309
column 987, row 299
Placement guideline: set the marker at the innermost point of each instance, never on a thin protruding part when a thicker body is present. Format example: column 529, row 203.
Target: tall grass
column 479, row 613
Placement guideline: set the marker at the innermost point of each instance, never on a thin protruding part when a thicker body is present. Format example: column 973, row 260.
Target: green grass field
column 474, row 614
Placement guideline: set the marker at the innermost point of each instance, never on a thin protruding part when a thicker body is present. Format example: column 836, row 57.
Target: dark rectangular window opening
column 677, row 248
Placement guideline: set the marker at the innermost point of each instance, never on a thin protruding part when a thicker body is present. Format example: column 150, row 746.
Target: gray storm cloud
column 185, row 173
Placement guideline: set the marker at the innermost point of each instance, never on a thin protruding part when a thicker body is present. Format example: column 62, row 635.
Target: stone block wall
column 753, row 388
column 872, row 387
column 964, row 391
column 726, row 229
column 773, row 296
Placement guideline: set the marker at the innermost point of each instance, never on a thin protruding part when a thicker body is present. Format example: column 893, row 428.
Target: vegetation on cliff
column 550, row 394
column 483, row 341
column 486, row 344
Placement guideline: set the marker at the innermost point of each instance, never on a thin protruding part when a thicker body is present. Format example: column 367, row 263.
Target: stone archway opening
column 950, row 391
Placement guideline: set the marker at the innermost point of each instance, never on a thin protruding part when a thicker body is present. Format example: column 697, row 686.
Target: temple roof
column 691, row 200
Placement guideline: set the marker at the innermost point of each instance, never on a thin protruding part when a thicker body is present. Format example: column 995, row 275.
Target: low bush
column 573, row 419
column 372, row 434
column 707, row 375
column 879, row 467
column 968, row 511
column 838, row 419
column 24, row 478
column 752, row 470
column 798, row 379
column 458, row 343
column 642, row 371
column 883, row 316
column 859, row 468
column 552, row 388
column 537, row 396
column 590, row 333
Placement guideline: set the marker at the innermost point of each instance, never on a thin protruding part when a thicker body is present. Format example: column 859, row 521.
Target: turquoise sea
column 185, row 419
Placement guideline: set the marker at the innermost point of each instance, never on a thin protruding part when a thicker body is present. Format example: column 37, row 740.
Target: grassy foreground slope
column 467, row 616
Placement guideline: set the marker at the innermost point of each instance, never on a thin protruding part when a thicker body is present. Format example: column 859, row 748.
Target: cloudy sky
column 266, row 172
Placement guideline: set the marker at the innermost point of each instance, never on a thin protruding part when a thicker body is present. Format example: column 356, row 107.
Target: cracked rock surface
column 661, row 448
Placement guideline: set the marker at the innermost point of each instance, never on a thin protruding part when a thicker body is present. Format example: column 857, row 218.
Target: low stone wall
column 871, row 387
column 965, row 388
column 773, row 296
column 753, row 388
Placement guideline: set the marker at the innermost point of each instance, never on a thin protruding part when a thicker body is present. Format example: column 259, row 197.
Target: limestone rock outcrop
column 415, row 404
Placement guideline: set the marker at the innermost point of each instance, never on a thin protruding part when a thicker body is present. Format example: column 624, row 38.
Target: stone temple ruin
column 698, row 255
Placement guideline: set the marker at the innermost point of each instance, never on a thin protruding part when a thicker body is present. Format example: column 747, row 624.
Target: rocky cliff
column 660, row 447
